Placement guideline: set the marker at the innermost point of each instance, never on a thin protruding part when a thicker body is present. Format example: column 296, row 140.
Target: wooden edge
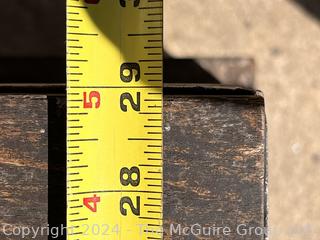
column 200, row 89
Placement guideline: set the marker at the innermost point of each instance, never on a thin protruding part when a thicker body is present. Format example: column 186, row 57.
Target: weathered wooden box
column 214, row 161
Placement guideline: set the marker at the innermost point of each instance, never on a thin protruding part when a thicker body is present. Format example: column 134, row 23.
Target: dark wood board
column 23, row 161
column 214, row 163
column 214, row 168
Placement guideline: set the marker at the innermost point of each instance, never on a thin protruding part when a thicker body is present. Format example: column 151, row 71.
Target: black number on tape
column 126, row 176
column 134, row 72
column 127, row 200
column 134, row 104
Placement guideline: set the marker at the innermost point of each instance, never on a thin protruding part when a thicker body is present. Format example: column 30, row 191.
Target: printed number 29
column 130, row 71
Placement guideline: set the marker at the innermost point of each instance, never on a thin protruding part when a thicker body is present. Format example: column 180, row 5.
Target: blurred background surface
column 282, row 36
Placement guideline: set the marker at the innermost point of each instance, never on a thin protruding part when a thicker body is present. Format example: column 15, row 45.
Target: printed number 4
column 91, row 203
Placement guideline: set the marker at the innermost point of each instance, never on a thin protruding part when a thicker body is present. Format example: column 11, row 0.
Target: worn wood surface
column 214, row 168
column 214, row 164
column 23, row 161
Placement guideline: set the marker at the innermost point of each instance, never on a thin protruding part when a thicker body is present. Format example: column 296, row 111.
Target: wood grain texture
column 214, row 162
column 23, row 161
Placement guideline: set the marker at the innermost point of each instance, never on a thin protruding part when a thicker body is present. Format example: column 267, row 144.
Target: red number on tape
column 87, row 103
column 91, row 203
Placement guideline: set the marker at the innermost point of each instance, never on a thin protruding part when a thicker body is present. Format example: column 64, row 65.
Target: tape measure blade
column 114, row 119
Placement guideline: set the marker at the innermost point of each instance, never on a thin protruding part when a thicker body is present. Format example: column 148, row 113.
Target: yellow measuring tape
column 114, row 119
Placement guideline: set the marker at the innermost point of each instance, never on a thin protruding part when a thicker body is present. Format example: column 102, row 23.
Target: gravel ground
column 283, row 38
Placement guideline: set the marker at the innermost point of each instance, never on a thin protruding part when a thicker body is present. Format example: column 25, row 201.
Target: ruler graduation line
column 114, row 110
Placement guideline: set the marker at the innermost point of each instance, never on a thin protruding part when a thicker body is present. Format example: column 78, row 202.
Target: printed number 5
column 88, row 103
